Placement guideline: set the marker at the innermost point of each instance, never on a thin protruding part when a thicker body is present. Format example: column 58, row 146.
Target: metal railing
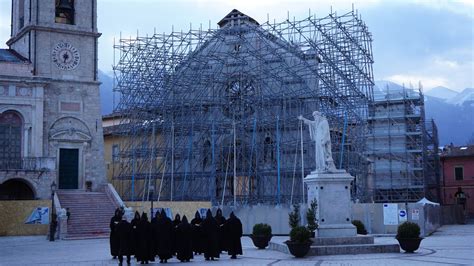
column 28, row 163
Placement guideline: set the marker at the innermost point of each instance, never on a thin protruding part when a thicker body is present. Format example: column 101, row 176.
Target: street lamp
column 52, row 223
column 151, row 189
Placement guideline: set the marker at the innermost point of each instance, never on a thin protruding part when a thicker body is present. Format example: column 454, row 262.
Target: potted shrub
column 294, row 216
column 261, row 235
column 408, row 236
column 360, row 227
column 311, row 217
column 299, row 242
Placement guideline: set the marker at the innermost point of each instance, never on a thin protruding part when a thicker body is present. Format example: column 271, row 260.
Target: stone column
column 26, row 138
column 332, row 192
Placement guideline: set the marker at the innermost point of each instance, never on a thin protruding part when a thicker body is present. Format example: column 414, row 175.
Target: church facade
column 50, row 124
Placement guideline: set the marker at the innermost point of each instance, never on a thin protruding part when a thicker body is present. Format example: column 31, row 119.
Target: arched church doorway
column 16, row 189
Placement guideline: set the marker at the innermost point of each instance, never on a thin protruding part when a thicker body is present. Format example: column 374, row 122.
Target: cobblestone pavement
column 451, row 244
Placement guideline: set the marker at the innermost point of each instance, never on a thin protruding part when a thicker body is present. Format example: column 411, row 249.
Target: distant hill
column 441, row 92
column 106, row 93
column 464, row 97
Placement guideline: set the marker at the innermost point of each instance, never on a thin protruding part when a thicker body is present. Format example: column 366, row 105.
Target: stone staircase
column 90, row 213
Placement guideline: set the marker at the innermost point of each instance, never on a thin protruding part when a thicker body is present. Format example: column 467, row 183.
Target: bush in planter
column 262, row 230
column 299, row 242
column 294, row 216
column 261, row 235
column 311, row 217
column 360, row 227
column 300, row 234
column 408, row 235
column 408, row 230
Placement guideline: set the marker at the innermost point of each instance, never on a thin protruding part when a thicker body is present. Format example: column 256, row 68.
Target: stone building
column 457, row 165
column 50, row 124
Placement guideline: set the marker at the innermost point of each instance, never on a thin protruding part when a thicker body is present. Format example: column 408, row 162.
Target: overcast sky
column 429, row 41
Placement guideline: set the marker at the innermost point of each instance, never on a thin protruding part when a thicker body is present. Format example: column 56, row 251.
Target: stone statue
column 319, row 133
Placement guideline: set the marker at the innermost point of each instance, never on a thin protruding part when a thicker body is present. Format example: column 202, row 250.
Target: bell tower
column 59, row 38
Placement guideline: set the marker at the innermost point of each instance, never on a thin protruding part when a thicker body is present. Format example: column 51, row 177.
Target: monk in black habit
column 220, row 219
column 124, row 231
column 143, row 249
column 197, row 234
column 134, row 224
column 114, row 240
column 233, row 229
column 165, row 233
column 211, row 239
column 176, row 222
column 184, row 245
column 155, row 236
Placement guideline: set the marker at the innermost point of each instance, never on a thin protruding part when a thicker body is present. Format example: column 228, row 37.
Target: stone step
column 90, row 213
column 333, row 241
column 85, row 236
column 353, row 249
column 90, row 230
column 79, row 232
column 341, row 249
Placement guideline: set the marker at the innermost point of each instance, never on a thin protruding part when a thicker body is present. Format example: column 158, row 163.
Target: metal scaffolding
column 212, row 114
column 403, row 148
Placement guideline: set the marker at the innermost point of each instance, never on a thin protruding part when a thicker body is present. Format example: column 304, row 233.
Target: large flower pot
column 298, row 249
column 261, row 241
column 409, row 244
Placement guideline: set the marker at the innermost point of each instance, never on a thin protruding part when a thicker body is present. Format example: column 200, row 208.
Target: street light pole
column 52, row 223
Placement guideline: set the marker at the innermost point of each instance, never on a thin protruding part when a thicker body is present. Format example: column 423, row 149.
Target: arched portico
column 17, row 189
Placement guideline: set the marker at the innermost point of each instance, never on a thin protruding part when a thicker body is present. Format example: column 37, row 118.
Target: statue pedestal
column 332, row 192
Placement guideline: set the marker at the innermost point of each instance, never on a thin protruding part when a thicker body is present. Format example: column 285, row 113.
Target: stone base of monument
column 324, row 246
column 336, row 235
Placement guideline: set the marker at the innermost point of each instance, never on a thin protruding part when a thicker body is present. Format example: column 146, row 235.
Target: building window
column 65, row 11
column 21, row 22
column 115, row 152
column 10, row 140
column 458, row 173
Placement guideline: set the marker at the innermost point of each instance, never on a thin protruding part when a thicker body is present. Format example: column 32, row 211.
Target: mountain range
column 452, row 111
column 453, row 97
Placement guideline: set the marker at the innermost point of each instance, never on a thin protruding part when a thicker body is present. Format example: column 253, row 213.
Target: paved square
column 451, row 244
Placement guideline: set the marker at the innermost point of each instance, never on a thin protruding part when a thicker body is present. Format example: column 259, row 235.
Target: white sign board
column 390, row 214
column 402, row 216
column 415, row 214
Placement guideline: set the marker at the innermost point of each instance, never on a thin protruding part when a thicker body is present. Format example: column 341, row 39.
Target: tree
column 311, row 216
column 294, row 216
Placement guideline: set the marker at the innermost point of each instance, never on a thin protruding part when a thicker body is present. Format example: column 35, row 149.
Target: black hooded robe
column 198, row 238
column 134, row 224
column 220, row 219
column 211, row 238
column 155, row 235
column 176, row 222
column 143, row 249
column 124, row 231
column 184, row 245
column 233, row 229
column 114, row 240
column 165, row 231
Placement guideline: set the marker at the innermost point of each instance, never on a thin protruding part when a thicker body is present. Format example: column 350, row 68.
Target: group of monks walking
column 165, row 238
